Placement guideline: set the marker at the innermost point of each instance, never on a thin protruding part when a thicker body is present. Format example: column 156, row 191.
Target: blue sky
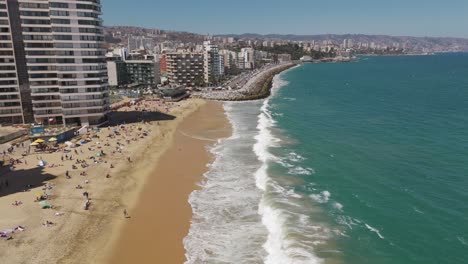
column 445, row 18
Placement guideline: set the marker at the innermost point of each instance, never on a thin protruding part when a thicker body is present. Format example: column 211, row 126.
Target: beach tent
column 53, row 139
column 39, row 140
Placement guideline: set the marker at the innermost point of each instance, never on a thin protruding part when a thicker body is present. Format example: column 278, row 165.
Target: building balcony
column 47, row 113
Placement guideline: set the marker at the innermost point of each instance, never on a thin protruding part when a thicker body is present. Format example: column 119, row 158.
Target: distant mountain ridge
column 431, row 43
column 330, row 36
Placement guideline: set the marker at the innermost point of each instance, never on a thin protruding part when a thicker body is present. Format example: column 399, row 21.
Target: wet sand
column 161, row 217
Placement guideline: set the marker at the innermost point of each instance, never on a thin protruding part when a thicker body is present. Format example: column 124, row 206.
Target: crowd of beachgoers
column 48, row 185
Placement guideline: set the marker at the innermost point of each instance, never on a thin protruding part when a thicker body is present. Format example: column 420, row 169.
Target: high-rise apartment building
column 56, row 49
column 213, row 68
column 185, row 68
column 14, row 108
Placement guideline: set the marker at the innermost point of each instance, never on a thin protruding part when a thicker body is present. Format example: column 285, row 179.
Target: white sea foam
column 462, row 240
column 322, row 197
column 372, row 229
column 294, row 157
column 226, row 227
column 338, row 206
column 280, row 248
column 347, row 221
column 243, row 215
column 417, row 210
column 298, row 170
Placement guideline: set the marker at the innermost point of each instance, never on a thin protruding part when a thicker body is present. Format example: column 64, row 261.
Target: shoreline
column 77, row 235
column 257, row 87
column 162, row 215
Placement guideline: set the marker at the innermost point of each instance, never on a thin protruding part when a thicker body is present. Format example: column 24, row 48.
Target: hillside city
column 208, row 60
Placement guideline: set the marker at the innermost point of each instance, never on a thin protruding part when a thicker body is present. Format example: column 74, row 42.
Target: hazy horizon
column 283, row 34
column 397, row 18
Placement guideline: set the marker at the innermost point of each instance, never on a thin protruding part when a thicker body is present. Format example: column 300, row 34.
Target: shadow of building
column 22, row 180
column 116, row 118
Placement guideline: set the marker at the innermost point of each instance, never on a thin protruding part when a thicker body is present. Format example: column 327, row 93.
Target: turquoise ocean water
column 363, row 162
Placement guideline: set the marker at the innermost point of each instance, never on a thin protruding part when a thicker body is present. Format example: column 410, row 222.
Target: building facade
column 246, row 59
column 185, row 68
column 212, row 63
column 116, row 71
column 163, row 64
column 59, row 60
column 11, row 101
column 143, row 72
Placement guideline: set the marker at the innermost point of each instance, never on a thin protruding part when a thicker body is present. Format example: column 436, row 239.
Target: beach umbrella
column 53, row 139
column 34, row 144
column 39, row 140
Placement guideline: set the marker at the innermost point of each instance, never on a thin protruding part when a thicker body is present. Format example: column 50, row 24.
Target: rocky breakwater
column 257, row 87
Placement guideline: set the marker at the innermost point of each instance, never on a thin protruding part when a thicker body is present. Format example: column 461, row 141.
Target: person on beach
column 125, row 213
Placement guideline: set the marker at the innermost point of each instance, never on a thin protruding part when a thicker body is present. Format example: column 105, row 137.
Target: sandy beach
column 161, row 218
column 67, row 233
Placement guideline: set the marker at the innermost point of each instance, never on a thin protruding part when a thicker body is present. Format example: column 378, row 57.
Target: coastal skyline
column 398, row 18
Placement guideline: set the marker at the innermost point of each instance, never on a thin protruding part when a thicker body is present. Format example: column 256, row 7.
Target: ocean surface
column 363, row 162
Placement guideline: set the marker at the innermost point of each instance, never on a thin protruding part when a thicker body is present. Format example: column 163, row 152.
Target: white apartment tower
column 213, row 68
column 246, row 59
column 59, row 60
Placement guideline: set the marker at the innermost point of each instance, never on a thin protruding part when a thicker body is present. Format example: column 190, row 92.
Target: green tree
column 199, row 81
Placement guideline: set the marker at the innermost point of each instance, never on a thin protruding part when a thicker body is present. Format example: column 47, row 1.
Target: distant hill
column 432, row 43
